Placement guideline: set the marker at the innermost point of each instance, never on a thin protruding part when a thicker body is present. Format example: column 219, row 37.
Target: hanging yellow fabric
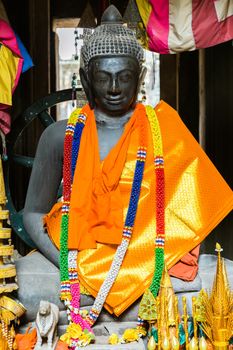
column 8, row 71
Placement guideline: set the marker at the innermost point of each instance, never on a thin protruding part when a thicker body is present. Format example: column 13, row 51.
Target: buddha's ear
column 87, row 87
column 141, row 78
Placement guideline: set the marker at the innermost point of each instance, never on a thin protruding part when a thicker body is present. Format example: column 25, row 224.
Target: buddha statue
column 114, row 181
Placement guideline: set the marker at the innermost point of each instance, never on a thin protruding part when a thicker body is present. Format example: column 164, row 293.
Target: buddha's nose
column 114, row 88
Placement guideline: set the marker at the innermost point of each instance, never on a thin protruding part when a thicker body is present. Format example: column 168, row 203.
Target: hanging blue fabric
column 27, row 63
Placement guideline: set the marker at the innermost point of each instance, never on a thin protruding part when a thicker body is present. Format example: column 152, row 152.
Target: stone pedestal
column 46, row 347
column 38, row 279
column 102, row 332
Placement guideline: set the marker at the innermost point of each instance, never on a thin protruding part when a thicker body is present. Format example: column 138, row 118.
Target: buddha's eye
column 101, row 78
column 125, row 77
column 102, row 81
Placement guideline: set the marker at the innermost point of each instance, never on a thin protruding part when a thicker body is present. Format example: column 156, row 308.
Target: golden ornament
column 151, row 344
column 165, row 344
column 175, row 343
column 167, row 300
column 147, row 308
column 7, row 268
column 193, row 345
column 214, row 310
column 203, row 344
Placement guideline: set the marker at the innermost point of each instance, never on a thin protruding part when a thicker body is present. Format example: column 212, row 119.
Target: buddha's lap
column 39, row 279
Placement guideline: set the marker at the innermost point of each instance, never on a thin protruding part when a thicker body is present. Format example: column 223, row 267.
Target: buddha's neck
column 110, row 129
column 111, row 122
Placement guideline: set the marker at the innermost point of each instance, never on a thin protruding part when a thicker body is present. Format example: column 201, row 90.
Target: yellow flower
column 141, row 331
column 113, row 339
column 84, row 313
column 130, row 334
column 74, row 330
column 84, row 339
column 66, row 338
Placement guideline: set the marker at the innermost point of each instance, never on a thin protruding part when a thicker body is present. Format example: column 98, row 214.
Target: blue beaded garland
column 75, row 145
column 135, row 192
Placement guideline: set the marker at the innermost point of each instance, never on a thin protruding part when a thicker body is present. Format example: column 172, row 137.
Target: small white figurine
column 46, row 326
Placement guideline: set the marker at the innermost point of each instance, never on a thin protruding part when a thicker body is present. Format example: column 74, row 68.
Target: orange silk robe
column 197, row 199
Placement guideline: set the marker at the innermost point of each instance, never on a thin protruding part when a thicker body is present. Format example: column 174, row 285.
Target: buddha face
column 114, row 83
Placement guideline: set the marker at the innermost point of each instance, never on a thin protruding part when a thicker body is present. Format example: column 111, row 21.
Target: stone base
column 45, row 346
column 102, row 332
column 130, row 346
column 38, row 279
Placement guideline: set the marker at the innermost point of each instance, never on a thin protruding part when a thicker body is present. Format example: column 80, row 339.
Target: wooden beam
column 202, row 99
column 65, row 23
column 40, row 47
column 168, row 79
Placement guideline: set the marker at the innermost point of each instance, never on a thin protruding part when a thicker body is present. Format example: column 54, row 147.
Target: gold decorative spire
column 185, row 318
column 7, row 269
column 220, row 296
column 215, row 311
column 162, row 314
column 10, row 309
column 167, row 299
column 151, row 344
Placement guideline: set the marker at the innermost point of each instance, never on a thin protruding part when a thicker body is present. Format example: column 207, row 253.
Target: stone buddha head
column 111, row 71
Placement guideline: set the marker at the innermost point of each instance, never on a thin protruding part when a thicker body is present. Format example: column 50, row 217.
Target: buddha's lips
column 114, row 101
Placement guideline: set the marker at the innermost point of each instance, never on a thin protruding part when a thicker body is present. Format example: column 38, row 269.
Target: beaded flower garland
column 70, row 288
column 160, row 210
column 160, row 199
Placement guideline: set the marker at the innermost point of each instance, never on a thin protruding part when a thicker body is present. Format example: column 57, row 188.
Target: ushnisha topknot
column 111, row 37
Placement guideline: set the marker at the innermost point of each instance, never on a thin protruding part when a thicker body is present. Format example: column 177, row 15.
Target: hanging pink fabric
column 185, row 25
column 8, row 39
column 5, row 122
column 11, row 63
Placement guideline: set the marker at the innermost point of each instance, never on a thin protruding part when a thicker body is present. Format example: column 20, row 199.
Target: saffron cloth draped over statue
column 197, row 199
column 185, row 25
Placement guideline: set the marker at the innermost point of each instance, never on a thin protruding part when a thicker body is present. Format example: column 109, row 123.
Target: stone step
column 102, row 332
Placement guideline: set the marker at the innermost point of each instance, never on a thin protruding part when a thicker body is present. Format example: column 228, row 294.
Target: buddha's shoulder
column 55, row 132
column 52, row 139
